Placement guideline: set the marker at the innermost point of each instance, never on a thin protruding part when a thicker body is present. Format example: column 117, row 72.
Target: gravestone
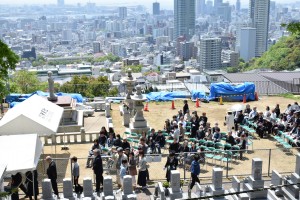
column 107, row 110
column 126, row 116
column 108, row 192
column 275, row 181
column 68, row 189
column 217, row 182
column 297, row 169
column 47, row 189
column 198, row 192
column 236, row 184
column 88, row 188
column 161, row 191
column 127, row 188
column 175, row 190
column 52, row 96
column 255, row 181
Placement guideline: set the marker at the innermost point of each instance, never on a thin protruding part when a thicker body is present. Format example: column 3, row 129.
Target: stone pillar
column 47, row 189
column 52, row 96
column 82, row 134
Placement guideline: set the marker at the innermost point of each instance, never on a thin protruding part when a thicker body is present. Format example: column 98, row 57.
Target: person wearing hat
column 171, row 164
column 118, row 161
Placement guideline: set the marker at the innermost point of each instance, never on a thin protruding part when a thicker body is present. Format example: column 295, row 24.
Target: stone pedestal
column 217, row 182
column 108, row 192
column 126, row 116
column 47, row 190
column 68, row 189
column 127, row 189
column 88, row 188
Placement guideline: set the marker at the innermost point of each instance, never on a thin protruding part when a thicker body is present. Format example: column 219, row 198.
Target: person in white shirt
column 229, row 121
column 176, row 132
column 253, row 114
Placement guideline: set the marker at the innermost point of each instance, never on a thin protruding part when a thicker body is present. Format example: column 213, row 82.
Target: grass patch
column 290, row 96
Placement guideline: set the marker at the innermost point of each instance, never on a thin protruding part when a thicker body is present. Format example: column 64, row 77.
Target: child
column 75, row 173
column 123, row 171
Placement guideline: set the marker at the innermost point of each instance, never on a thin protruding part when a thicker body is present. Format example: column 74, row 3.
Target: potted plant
column 166, row 185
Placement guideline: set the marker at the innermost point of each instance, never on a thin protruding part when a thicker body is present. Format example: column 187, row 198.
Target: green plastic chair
column 210, row 144
column 219, row 145
column 227, row 146
column 202, row 142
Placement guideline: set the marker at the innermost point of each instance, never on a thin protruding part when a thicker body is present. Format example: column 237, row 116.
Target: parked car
column 87, row 110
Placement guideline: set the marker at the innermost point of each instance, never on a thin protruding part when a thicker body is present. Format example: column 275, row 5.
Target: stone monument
column 217, row 182
column 138, row 122
column 52, row 96
column 128, row 193
column 175, row 191
column 47, row 190
column 255, row 181
column 68, row 189
column 108, row 192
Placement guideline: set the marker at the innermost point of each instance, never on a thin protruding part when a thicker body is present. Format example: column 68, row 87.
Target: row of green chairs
column 284, row 140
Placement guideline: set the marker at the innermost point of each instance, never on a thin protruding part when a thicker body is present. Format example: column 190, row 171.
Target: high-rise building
column 230, row 57
column 60, row 2
column 238, row 5
column 209, row 7
column 97, row 47
column 187, row 50
column 122, row 12
column 210, row 53
column 259, row 11
column 200, row 7
column 224, row 12
column 217, row 3
column 184, row 18
column 247, row 43
column 156, row 8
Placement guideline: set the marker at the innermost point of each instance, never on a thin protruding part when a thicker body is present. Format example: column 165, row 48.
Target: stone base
column 138, row 124
column 213, row 191
column 129, row 196
column 176, row 195
column 137, row 130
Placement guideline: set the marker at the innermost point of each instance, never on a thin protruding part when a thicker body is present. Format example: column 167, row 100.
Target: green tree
column 25, row 82
column 134, row 68
column 8, row 61
column 293, row 27
column 232, row 69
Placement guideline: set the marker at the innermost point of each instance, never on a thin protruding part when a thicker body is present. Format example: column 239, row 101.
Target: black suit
column 171, row 165
column 185, row 108
column 52, row 175
column 98, row 171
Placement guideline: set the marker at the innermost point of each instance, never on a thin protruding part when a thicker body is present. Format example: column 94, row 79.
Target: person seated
column 247, row 109
column 151, row 139
column 102, row 139
column 187, row 116
column 201, row 133
column 230, row 139
column 184, row 148
column 174, row 147
column 110, row 140
column 118, row 142
column 193, row 148
column 203, row 119
column 167, row 126
column 260, row 130
column 181, row 120
column 253, row 115
column 217, row 135
column 176, row 132
column 194, row 126
column 160, row 140
column 208, row 135
column 179, row 115
column 173, row 121
column 239, row 132
column 125, row 144
column 181, row 131
column 277, row 110
column 239, row 119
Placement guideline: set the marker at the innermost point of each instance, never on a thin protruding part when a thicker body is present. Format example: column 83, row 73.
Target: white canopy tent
column 20, row 153
column 34, row 115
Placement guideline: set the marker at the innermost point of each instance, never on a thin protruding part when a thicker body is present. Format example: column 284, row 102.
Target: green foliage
column 134, row 68
column 232, row 69
column 87, row 86
column 8, row 61
column 284, row 55
column 25, row 82
column 290, row 96
column 113, row 92
column 166, row 184
column 40, row 61
column 110, row 57
column 293, row 27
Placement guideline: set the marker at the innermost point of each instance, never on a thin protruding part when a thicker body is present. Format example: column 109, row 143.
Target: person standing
column 185, row 107
column 52, row 174
column 32, row 182
column 123, row 172
column 75, row 173
column 142, row 177
column 132, row 168
column 171, row 164
column 118, row 162
column 98, row 169
column 195, row 171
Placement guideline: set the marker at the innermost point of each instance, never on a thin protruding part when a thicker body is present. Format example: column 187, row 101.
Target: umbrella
column 237, row 107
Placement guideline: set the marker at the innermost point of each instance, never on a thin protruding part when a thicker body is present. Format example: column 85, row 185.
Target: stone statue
column 52, row 96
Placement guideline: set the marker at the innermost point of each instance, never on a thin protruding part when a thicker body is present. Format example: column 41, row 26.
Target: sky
column 165, row 4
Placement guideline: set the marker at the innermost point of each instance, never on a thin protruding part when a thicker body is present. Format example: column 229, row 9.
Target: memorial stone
column 127, row 188
column 236, row 184
column 47, row 189
column 297, row 170
column 175, row 190
column 68, row 189
column 217, row 182
column 87, row 187
column 108, row 192
column 52, row 96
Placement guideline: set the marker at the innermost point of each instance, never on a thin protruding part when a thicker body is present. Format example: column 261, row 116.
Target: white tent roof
column 34, row 115
column 21, row 153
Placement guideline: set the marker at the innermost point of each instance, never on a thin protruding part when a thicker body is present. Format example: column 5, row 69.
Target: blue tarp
column 21, row 97
column 232, row 92
column 198, row 94
column 166, row 96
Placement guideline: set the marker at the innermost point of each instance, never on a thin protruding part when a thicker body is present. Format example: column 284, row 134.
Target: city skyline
column 164, row 4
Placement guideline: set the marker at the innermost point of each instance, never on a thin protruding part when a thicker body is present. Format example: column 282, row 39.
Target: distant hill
column 284, row 55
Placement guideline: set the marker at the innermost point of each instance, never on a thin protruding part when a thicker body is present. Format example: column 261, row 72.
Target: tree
column 8, row 61
column 134, row 68
column 25, row 82
column 293, row 27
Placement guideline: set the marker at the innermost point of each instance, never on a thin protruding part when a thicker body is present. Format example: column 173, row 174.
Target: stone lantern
column 129, row 82
column 138, row 122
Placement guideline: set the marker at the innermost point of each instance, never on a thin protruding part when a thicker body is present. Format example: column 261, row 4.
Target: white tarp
column 21, row 153
column 34, row 115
